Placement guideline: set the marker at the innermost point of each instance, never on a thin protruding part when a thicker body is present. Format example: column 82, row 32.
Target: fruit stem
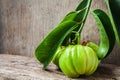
column 78, row 38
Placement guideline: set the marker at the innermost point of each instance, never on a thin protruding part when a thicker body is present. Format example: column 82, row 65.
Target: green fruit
column 57, row 55
column 92, row 45
column 76, row 60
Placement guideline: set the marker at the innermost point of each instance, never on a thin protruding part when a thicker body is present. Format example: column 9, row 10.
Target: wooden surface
column 24, row 23
column 14, row 67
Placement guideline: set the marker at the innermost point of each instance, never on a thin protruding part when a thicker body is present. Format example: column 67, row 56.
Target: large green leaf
column 107, row 36
column 85, row 4
column 114, row 11
column 45, row 51
column 77, row 16
column 80, row 13
column 70, row 16
column 84, row 7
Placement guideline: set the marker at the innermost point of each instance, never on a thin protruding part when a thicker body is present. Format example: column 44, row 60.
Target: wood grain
column 25, row 23
column 14, row 67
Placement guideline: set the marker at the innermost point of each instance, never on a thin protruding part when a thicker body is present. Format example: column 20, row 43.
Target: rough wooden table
column 14, row 67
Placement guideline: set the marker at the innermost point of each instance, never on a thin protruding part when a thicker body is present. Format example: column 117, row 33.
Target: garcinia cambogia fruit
column 76, row 60
column 92, row 45
column 57, row 55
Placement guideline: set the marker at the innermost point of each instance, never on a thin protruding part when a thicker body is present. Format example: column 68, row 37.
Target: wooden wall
column 24, row 23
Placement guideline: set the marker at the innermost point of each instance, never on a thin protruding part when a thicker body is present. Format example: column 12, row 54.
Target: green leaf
column 70, row 16
column 45, row 51
column 80, row 12
column 114, row 12
column 76, row 16
column 84, row 7
column 79, row 15
column 85, row 4
column 107, row 36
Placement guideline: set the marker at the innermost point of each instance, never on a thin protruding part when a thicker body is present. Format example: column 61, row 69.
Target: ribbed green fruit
column 76, row 60
column 57, row 55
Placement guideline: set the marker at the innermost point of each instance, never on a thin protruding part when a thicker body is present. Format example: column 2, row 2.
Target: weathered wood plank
column 14, row 67
column 24, row 23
